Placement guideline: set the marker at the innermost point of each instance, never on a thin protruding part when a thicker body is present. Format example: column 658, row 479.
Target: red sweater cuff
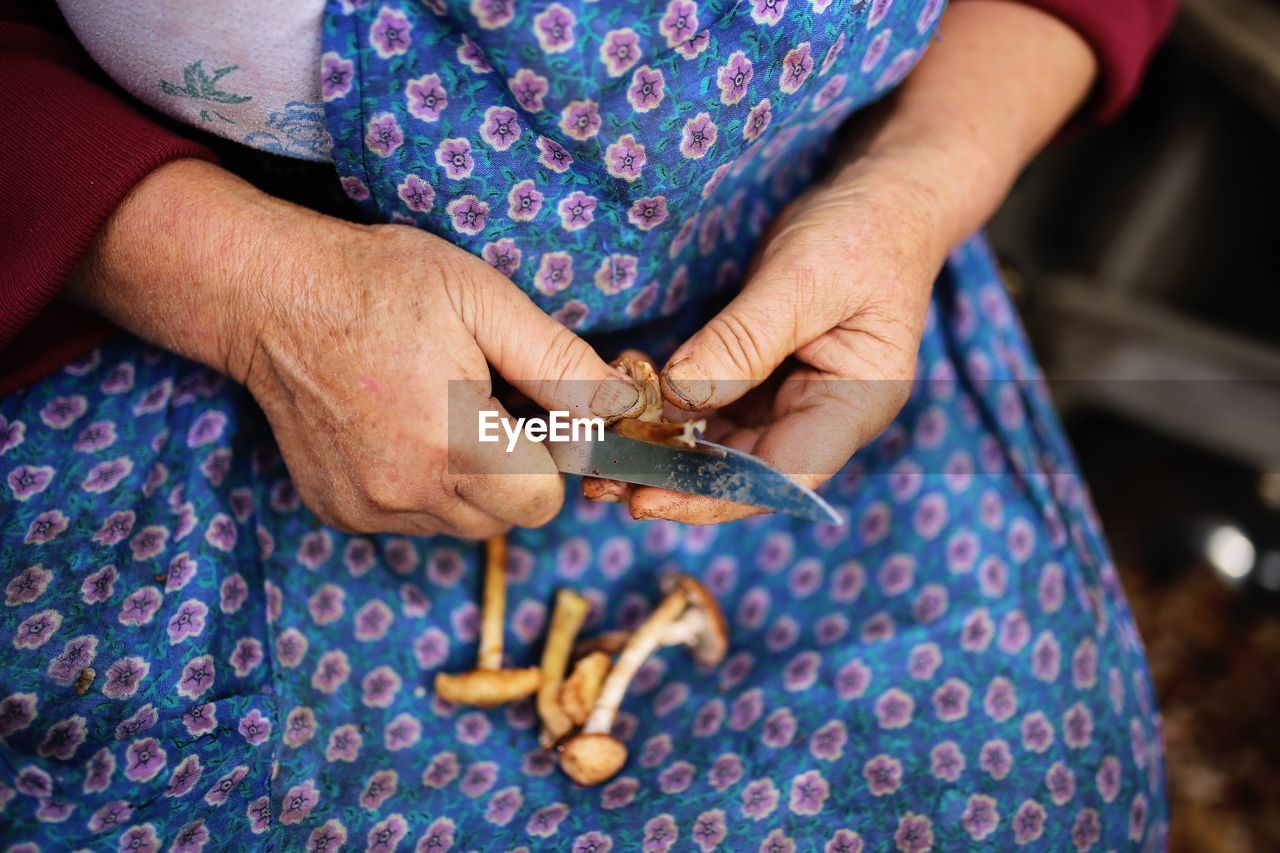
column 73, row 149
column 1123, row 35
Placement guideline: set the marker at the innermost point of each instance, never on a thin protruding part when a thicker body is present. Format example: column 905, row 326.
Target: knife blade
column 707, row 469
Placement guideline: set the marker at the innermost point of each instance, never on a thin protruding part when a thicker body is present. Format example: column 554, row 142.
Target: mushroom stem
column 581, row 689
column 571, row 609
column 494, row 603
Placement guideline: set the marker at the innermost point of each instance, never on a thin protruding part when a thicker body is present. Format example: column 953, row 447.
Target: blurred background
column 1146, row 260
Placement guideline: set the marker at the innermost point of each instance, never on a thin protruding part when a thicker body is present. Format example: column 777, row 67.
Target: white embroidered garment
column 243, row 69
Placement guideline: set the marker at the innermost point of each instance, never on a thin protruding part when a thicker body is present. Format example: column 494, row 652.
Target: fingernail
column 614, row 397
column 689, row 383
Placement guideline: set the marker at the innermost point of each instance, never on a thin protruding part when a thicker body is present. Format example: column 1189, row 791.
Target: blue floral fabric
column 195, row 662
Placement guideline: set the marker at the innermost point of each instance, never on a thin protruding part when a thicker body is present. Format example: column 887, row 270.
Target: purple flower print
column 554, row 155
column 767, row 12
column 656, row 750
column 698, row 136
column 545, row 822
column 746, row 709
column 524, row 202
column 778, row 841
column 874, row 525
column 709, row 718
column 402, row 732
column 431, row 648
column 184, row 777
column 110, row 816
column 1014, row 632
column 503, row 255
column 1084, row 664
column 1051, row 589
column 577, row 210
column 915, row 833
column 98, row 771
column 255, row 728
column 930, row 604
column 465, row 619
column 221, row 532
column 439, row 836
column 27, row 586
column 52, row 811
column 373, row 620
column 331, row 672
column 625, row 158
column 660, row 834
column 680, row 22
column 417, row 194
column 493, row 14
column 897, row 574
column 192, row 838
column 620, row 51
column 188, row 622
column 233, row 592
column 468, row 214
column 801, row 672
column 355, row 188
column 648, row 213
column 894, row 709
column 977, row 631
column 68, row 664
column 951, row 700
column 726, row 771
column 197, row 677
column 616, row 274
column 471, row 55
column 592, row 842
column 206, row 428
column 796, row 68
column 709, row 829
column 46, row 527
column 538, row 763
column 529, row 89
column 344, row 744
column 1046, row 656
column 996, row 759
column 1086, row 830
column 389, row 34
column 33, row 782
column 759, row 799
column 299, row 802
column 1077, row 727
column 1028, row 822
column 779, row 729
column 897, row 69
column 1061, row 782
column 181, row 570
column 104, row 476
column 96, row 436
column 445, row 567
column 246, row 656
column 572, row 315
column 63, row 738
column 554, row 28
column 580, row 119
column 358, row 556
column 1108, row 778
column 336, row 75
column 1037, row 732
column 155, row 398
column 852, row 680
column 831, row 629
column 144, row 759
column 12, row 434
column 844, row 841
column 143, row 719
column 327, row 604
column 847, row 582
column 36, row 629
column 454, row 156
column 619, row 793
column 217, row 795
column 504, row 805
column 809, row 792
column 647, row 89
column 675, row 779
column 62, row 412
column 883, row 774
column 1001, row 701
column 947, row 761
column 380, row 687
column 981, row 817
column 442, row 770
column 259, row 814
column 501, row 128
column 383, row 136
column 299, row 727
column 878, row 628
column 479, row 778
column 528, row 620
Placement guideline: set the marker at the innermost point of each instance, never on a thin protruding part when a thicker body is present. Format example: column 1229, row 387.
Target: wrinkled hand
column 360, row 375
column 815, row 356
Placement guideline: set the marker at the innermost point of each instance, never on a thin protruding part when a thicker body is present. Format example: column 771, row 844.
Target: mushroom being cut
column 489, row 684
column 566, row 620
column 690, row 616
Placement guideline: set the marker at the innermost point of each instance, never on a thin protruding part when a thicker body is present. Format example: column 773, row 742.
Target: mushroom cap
column 485, row 688
column 712, row 644
column 590, row 759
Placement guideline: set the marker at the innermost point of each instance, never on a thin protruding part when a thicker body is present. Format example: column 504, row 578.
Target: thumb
column 783, row 306
column 544, row 360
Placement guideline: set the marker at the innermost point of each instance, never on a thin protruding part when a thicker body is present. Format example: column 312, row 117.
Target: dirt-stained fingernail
column 614, row 398
column 687, row 381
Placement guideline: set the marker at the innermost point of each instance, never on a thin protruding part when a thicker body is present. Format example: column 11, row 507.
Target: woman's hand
column 815, row 356
column 360, row 343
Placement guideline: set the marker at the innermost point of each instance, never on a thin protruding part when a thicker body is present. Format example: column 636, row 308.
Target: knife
column 707, row 469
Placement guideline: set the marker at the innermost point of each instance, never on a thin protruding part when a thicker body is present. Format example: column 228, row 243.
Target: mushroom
column 580, row 691
column 702, row 628
column 566, row 620
column 594, row 754
column 489, row 684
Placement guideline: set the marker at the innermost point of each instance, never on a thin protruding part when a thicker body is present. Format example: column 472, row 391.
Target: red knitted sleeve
column 72, row 149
